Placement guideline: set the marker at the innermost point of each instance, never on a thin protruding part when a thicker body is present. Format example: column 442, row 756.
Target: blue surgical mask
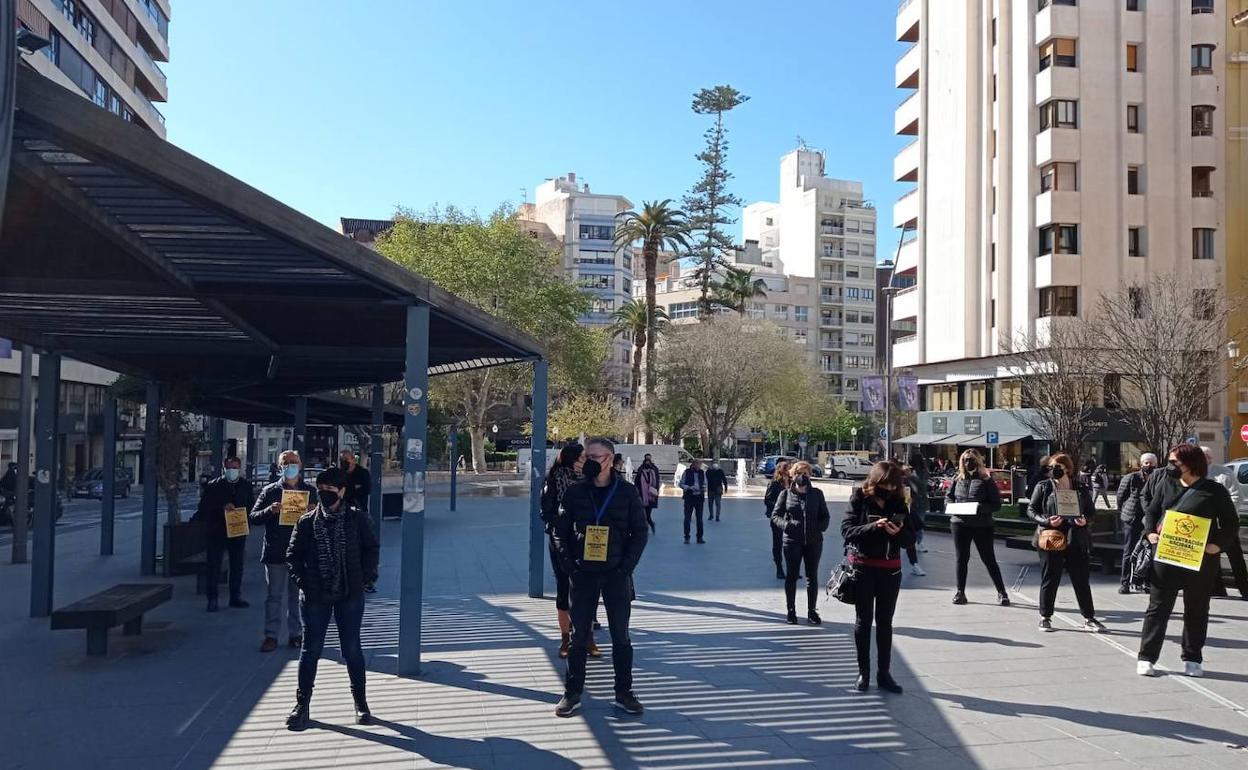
column 291, row 472
column 231, row 474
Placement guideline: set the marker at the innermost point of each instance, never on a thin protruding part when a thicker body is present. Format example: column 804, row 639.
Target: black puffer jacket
column 276, row 537
column 865, row 539
column 770, row 496
column 1130, row 497
column 362, row 555
column 1044, row 504
column 802, row 516
column 624, row 515
column 219, row 493
column 975, row 490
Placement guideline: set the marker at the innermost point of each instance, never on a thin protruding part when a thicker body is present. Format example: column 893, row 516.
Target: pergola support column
column 454, row 463
column 43, row 553
column 217, row 444
column 25, row 407
column 251, row 449
column 415, row 434
column 301, row 425
column 375, row 458
column 151, row 487
column 108, row 494
column 537, row 474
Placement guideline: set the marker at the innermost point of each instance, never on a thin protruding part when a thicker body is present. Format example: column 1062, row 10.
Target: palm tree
column 633, row 320
column 738, row 288
column 657, row 226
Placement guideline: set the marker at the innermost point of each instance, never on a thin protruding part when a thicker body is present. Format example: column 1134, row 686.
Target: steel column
column 301, row 425
column 415, row 434
column 375, row 458
column 108, row 494
column 454, row 462
column 251, row 449
column 537, row 474
column 8, row 89
column 217, row 443
column 43, row 552
column 26, row 398
column 151, row 489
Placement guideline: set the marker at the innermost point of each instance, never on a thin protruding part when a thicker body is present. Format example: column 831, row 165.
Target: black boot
column 862, row 684
column 362, row 714
column 886, row 682
column 791, row 617
column 298, row 717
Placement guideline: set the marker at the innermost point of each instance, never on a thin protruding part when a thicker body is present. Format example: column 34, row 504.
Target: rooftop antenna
column 524, row 195
column 801, row 143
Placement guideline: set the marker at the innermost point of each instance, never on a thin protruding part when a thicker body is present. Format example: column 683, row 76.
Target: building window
column 867, row 340
column 1059, row 239
column 1202, row 6
column 944, row 398
column 851, row 317
column 868, row 294
column 1135, row 241
column 851, row 292
column 992, row 257
column 867, row 318
column 1202, row 181
column 1133, row 57
column 1059, row 301
column 782, row 312
column 1133, row 5
column 1202, row 59
column 851, row 271
column 1059, row 176
column 594, row 281
column 603, row 305
column 1059, row 52
column 678, row 310
column 1010, row 394
column 1042, row 4
column 799, row 336
column 1202, row 243
column 1202, row 119
column 801, row 314
column 1059, row 113
column 852, row 249
column 1133, row 180
column 1136, row 299
column 977, row 395
column 1133, row 118
column 596, row 232
column 868, row 227
column 992, row 313
column 851, row 225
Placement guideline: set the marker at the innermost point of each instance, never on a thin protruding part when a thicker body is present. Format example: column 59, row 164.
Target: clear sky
column 355, row 108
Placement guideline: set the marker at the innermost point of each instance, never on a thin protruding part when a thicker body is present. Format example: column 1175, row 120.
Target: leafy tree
column 496, row 266
column 738, row 288
column 670, row 416
column 590, row 415
column 633, row 320
column 708, row 199
column 176, row 440
column 657, row 226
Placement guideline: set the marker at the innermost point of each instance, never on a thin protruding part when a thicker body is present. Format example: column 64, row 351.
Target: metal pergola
column 120, row 250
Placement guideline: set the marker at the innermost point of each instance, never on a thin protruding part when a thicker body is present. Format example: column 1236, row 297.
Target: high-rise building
column 107, row 50
column 1060, row 150
column 582, row 224
column 1236, row 92
column 823, row 229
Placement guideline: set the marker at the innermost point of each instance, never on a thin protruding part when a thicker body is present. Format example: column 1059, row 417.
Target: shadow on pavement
column 456, row 752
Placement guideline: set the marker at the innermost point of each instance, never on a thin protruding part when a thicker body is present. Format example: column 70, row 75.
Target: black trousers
column 650, row 518
column 616, row 590
column 777, row 546
column 1131, row 534
column 694, row 505
column 797, row 555
column 561, row 577
column 981, row 537
column 236, row 547
column 712, row 510
column 1073, row 560
column 878, row 588
column 1167, row 582
column 1235, row 554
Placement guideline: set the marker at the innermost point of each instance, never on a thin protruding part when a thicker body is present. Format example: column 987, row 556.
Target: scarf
column 329, row 533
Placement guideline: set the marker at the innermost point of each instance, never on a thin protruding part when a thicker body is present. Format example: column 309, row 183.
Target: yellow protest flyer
column 1068, row 503
column 596, row 539
column 906, row 492
column 236, row 522
column 294, row 505
column 1183, row 540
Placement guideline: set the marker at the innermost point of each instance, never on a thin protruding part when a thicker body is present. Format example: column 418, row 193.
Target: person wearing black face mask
column 1062, row 539
column 974, row 484
column 230, row 490
column 359, row 480
column 801, row 514
column 1130, row 500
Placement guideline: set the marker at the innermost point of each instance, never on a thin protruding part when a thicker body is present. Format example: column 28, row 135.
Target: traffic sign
column 853, row 431
column 757, row 438
column 1192, row 440
column 992, row 438
column 883, row 432
column 1243, row 433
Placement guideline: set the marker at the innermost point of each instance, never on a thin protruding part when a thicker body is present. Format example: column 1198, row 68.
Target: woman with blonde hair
column 973, row 484
column 802, row 516
column 779, row 482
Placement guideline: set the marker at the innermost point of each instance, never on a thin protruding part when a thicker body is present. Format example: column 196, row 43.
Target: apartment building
column 1236, row 95
column 107, row 50
column 822, row 229
column 581, row 223
column 1060, row 149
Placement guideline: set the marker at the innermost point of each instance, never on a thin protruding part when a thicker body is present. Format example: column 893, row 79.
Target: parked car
column 1239, row 476
column 847, row 467
column 767, row 465
column 91, row 483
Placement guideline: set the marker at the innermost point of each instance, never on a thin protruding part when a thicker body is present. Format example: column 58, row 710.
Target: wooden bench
column 122, row 605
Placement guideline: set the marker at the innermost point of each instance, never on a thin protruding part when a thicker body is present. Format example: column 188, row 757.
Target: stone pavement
column 725, row 682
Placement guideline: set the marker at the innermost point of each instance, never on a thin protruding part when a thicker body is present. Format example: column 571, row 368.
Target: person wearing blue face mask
column 300, row 497
column 230, row 490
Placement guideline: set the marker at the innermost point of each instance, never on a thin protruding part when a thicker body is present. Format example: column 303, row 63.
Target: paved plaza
column 725, row 681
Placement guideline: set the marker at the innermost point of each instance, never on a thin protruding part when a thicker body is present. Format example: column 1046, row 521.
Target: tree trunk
column 650, row 251
column 476, row 435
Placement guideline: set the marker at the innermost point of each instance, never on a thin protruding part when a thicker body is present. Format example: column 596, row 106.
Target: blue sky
column 352, row 109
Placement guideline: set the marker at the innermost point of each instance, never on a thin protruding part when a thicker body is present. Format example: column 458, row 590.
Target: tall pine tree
column 707, row 200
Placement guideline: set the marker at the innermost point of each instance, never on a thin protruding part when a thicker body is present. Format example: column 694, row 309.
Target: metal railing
column 147, row 57
column 906, row 4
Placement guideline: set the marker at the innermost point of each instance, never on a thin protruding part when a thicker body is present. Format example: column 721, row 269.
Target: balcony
column 833, row 277
column 908, row 14
column 1057, row 144
column 831, row 299
column 906, row 210
column 1205, row 212
column 1058, row 270
column 908, row 256
column 1205, row 87
column 906, row 303
column 906, row 164
column 906, row 352
column 152, row 112
column 832, row 254
column 1057, row 83
column 1057, row 206
column 831, row 343
column 1205, row 151
column 907, row 73
column 1057, row 21
column 152, row 71
column 831, row 322
column 906, row 119
column 1206, row 28
column 831, row 230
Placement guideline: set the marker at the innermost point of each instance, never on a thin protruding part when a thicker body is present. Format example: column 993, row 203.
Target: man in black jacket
column 599, row 538
column 359, row 480
column 278, row 525
column 1130, row 501
column 716, row 484
column 230, row 490
column 693, row 486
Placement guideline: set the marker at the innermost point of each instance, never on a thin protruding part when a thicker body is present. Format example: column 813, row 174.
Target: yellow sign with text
column 1183, row 539
column 236, row 522
column 596, row 540
column 294, row 505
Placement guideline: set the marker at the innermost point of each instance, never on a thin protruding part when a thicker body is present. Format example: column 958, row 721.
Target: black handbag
column 843, row 583
column 1141, row 559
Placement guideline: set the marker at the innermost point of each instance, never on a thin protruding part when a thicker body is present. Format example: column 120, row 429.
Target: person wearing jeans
column 282, row 591
column 333, row 554
column 801, row 514
column 693, row 484
column 1053, row 525
column 973, row 484
column 716, row 485
column 229, row 490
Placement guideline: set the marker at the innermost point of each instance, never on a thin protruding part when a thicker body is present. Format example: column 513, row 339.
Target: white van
column 847, row 467
column 666, row 456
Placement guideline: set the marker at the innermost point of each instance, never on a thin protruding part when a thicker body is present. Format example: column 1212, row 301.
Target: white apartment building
column 823, row 229
column 1061, row 149
column 582, row 223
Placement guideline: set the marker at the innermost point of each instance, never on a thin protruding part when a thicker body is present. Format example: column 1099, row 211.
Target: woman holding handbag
column 877, row 528
column 646, row 479
column 802, row 516
column 1062, row 506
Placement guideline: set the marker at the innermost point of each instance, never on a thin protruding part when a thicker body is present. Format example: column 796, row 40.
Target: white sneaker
column 1193, row 669
column 1144, row 668
column 922, row 548
column 917, row 571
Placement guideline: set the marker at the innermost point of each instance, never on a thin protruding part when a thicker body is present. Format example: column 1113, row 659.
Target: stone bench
column 122, row 605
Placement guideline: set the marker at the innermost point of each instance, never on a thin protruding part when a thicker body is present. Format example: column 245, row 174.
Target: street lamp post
column 889, row 292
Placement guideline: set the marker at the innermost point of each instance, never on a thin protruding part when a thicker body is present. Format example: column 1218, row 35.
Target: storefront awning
column 1002, row 440
column 961, row 439
column 921, row 438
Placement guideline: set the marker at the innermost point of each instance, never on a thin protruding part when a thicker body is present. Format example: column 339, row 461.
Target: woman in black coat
column 564, row 473
column 1063, row 540
column 801, row 514
column 779, row 482
column 877, row 528
column 974, row 484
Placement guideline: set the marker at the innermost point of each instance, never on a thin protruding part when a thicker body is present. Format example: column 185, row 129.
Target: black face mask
column 1057, row 471
column 344, row 465
column 1147, row 470
column 328, row 497
column 591, row 469
column 970, row 466
column 1174, row 471
column 801, row 480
